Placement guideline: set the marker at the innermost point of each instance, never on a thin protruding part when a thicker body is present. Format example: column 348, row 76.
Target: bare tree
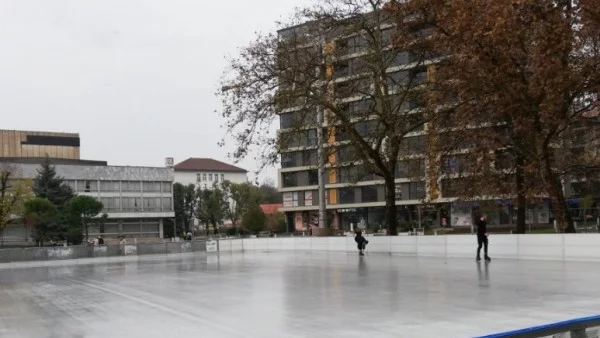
column 345, row 59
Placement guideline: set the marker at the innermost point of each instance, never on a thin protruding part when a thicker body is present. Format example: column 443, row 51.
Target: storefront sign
column 345, row 211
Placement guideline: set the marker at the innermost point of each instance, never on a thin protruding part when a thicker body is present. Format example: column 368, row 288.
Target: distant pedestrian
column 189, row 236
column 482, row 238
column 122, row 243
column 361, row 242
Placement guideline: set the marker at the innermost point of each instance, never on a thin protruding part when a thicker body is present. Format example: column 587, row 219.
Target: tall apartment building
column 349, row 201
column 33, row 144
column 362, row 201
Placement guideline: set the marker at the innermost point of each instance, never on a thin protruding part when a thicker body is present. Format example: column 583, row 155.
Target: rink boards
column 561, row 247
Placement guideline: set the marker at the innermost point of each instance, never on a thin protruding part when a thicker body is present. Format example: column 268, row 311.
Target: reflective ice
column 291, row 295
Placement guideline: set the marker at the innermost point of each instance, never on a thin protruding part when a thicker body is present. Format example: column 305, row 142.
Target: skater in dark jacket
column 482, row 237
column 361, row 242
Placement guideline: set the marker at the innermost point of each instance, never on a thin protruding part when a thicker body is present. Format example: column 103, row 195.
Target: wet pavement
column 291, row 295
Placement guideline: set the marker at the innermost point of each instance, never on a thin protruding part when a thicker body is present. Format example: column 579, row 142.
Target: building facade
column 137, row 200
column 33, row 144
column 204, row 172
column 351, row 197
column 424, row 182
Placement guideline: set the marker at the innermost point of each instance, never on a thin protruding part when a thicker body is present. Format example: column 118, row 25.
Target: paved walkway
column 287, row 295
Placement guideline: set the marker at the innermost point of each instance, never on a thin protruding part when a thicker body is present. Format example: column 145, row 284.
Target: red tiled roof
column 207, row 164
column 270, row 209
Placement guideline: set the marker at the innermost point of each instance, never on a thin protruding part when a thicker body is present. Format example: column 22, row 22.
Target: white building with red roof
column 204, row 172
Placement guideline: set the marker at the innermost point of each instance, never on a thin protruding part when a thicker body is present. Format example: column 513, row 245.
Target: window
column 364, row 128
column 289, row 179
column 151, row 186
column 341, row 69
column 204, row 177
column 412, row 145
column 111, row 204
column 167, row 187
column 418, row 76
column 222, row 177
column 397, row 79
column 288, row 160
column 290, row 199
column 387, row 36
column 450, row 164
column 210, row 177
column 348, row 174
column 347, row 195
column 297, row 119
column 110, row 186
column 131, row 204
column 410, row 168
column 91, row 186
column 351, row 45
column 309, row 158
column 359, row 108
column 198, row 178
column 346, row 154
column 167, row 204
column 80, row 186
column 151, row 204
column 131, row 186
column 313, row 177
column 369, row 194
column 399, row 58
column 312, row 137
column 416, row 190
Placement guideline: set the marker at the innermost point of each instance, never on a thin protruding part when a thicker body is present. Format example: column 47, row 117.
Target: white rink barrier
column 555, row 247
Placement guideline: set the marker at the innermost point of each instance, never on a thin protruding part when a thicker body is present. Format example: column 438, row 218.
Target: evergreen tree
column 49, row 185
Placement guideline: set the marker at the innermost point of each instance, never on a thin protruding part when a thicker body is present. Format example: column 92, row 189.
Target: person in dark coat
column 361, row 242
column 482, row 237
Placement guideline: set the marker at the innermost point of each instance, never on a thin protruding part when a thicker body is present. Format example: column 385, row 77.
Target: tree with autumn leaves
column 518, row 83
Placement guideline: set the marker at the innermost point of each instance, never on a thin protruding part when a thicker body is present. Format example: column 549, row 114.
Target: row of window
column 308, row 138
column 209, row 177
column 353, row 195
column 119, row 186
column 136, row 204
column 350, row 174
column 131, row 227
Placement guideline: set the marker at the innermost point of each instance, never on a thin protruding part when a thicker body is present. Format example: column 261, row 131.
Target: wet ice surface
column 292, row 295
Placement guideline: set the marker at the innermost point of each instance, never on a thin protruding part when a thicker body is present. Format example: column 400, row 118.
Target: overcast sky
column 136, row 78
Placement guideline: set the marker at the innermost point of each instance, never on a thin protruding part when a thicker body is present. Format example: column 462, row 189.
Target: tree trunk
column 521, row 200
column 390, row 206
column 564, row 219
column 86, row 231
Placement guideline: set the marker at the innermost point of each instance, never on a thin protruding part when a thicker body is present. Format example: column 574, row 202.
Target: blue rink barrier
column 575, row 328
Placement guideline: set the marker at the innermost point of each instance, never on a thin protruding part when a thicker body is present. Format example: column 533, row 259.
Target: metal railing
column 83, row 251
column 576, row 328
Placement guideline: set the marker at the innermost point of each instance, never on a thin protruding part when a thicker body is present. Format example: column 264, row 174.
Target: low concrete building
column 137, row 200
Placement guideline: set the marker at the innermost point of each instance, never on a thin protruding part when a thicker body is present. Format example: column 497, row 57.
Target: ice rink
column 291, row 295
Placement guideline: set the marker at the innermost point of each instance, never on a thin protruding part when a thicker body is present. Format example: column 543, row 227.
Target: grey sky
column 136, row 78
